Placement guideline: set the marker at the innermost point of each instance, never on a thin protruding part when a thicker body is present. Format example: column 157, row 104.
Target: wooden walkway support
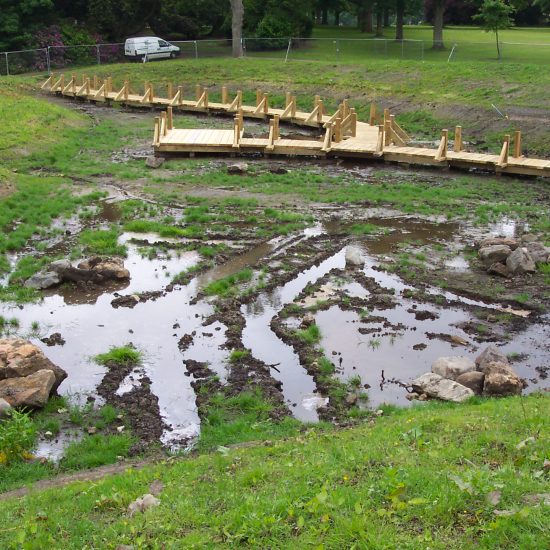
column 344, row 135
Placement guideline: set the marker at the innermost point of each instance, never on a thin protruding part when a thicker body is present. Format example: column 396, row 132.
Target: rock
column 154, row 162
column 43, row 280
column 520, row 261
column 452, row 367
column 351, row 399
column 278, row 170
column 494, row 254
column 492, row 241
column 498, row 269
column 238, row 168
column 528, row 238
column 441, row 388
column 59, row 265
column 5, row 407
column 354, row 257
column 307, row 321
column 19, row 358
column 473, row 380
column 490, row 354
column 28, row 391
column 54, row 339
column 539, row 252
column 500, row 379
column 107, row 268
column 142, row 504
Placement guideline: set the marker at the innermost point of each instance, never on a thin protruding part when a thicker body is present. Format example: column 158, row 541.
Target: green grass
column 228, row 285
column 97, row 450
column 102, row 242
column 124, row 355
column 416, row 478
column 311, row 335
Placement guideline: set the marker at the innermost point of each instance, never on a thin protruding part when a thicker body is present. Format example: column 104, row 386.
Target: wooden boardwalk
column 341, row 134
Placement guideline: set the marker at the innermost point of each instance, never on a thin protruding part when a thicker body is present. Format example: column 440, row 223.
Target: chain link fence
column 337, row 50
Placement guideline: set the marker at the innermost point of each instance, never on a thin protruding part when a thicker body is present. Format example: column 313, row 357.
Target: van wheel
column 172, row 55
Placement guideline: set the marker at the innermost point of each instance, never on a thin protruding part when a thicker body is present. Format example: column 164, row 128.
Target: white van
column 146, row 48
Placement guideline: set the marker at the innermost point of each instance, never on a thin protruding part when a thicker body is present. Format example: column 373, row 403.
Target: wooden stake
column 169, row 118
column 170, row 90
column 380, row 141
column 458, row 139
column 163, row 123
column 276, row 126
column 517, row 144
column 224, row 95
column 503, row 158
column 442, row 150
column 372, row 114
column 387, row 129
column 156, row 138
column 338, row 130
column 198, row 92
column 180, row 92
column 259, row 97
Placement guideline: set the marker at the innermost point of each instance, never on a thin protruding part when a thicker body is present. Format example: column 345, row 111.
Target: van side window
column 163, row 44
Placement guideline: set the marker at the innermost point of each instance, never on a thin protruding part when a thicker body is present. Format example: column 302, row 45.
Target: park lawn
column 438, row 476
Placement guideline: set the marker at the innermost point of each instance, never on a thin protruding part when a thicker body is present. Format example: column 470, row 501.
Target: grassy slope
column 418, row 478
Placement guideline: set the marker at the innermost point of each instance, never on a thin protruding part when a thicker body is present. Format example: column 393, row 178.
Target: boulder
column 490, row 354
column 473, row 380
column 494, row 254
column 438, row 387
column 154, row 162
column 5, row 407
column 354, row 257
column 20, row 358
column 528, row 238
column 43, row 280
column 59, row 265
column 539, row 252
column 498, row 269
column 452, row 367
column 492, row 241
column 520, row 261
column 105, row 268
column 238, row 168
column 28, row 391
column 500, row 379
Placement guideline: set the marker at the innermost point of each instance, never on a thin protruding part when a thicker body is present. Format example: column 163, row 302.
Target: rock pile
column 507, row 257
column 94, row 270
column 27, row 376
column 458, row 378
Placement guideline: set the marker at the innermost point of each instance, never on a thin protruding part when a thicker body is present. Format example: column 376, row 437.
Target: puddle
column 133, row 380
column 54, row 448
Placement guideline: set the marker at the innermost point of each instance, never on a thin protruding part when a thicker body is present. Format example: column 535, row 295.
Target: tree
column 237, row 15
column 494, row 16
column 19, row 19
column 439, row 14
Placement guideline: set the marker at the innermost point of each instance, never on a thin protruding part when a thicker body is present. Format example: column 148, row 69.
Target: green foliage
column 124, row 355
column 238, row 354
column 102, row 242
column 495, row 15
column 227, row 285
column 311, row 335
column 96, row 450
column 17, row 436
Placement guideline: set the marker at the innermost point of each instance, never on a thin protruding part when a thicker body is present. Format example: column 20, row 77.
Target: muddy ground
column 420, row 294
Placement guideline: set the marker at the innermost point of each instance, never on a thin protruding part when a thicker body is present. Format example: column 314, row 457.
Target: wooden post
column 276, row 126
column 180, row 92
column 198, row 92
column 259, row 97
column 96, row 82
column 88, row 86
column 205, row 98
column 503, row 158
column 156, row 138
column 240, row 116
column 73, row 80
column 442, row 150
column 164, row 123
column 353, row 126
column 338, row 130
column 169, row 118
column 517, row 144
column 345, row 104
column 458, row 139
column 105, row 87
column 380, row 141
column 224, row 95
column 387, row 130
column 372, row 114
column 151, row 93
column 109, row 85
column 236, row 132
column 170, row 90
column 266, row 103
column 328, row 137
column 126, row 90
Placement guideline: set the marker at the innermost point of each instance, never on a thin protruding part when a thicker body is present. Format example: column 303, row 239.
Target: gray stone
column 28, row 391
column 498, row 269
column 438, row 387
column 528, row 238
column 60, row 265
column 490, row 354
column 494, row 253
column 520, row 261
column 5, row 407
column 237, row 168
column 44, row 280
column 452, row 367
column 473, row 380
column 539, row 252
column 154, row 162
column 20, row 358
column 354, row 257
column 101, row 269
column 500, row 379
column 491, row 241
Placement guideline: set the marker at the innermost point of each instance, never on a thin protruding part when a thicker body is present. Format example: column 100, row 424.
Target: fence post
column 7, row 64
column 196, row 50
column 98, row 53
column 48, row 62
column 288, row 49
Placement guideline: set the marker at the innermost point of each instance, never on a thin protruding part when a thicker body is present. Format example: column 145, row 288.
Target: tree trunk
column 324, row 17
column 439, row 13
column 237, row 15
column 399, row 17
column 498, row 44
column 337, row 18
column 386, row 17
column 368, row 20
column 379, row 22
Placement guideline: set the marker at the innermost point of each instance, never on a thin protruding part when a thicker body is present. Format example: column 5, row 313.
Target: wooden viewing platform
column 343, row 135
